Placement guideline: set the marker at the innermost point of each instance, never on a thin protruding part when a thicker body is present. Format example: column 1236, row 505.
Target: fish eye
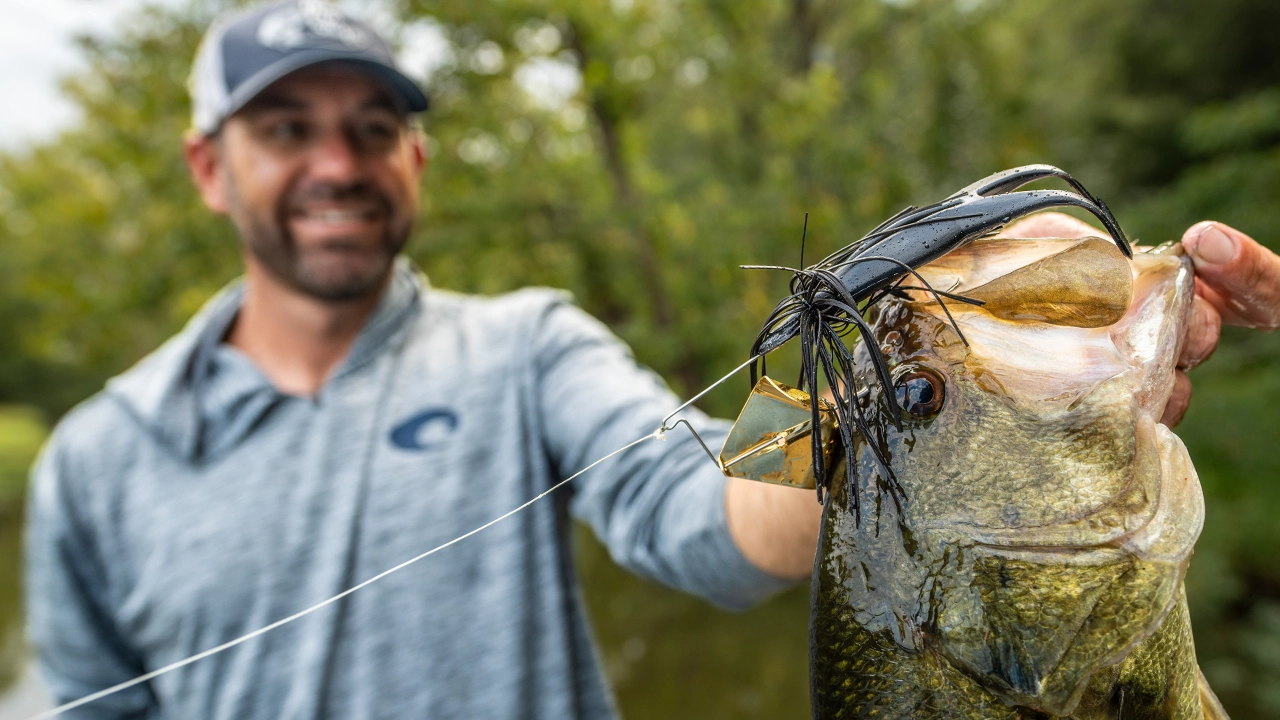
column 919, row 391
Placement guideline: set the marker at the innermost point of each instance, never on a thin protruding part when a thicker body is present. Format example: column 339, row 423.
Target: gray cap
column 243, row 53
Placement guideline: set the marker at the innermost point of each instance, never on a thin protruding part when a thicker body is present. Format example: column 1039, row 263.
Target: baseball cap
column 244, row 52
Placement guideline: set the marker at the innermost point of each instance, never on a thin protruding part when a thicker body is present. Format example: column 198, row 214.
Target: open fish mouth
column 1144, row 500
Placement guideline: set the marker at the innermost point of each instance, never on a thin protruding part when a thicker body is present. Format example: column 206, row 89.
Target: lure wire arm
column 668, row 425
column 701, row 442
column 664, row 427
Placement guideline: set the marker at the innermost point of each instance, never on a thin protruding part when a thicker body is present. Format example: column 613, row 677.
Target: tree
column 689, row 137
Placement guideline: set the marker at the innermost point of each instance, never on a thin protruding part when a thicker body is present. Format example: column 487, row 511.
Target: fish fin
column 1209, row 703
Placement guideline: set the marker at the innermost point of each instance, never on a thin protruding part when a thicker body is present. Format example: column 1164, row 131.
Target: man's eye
column 287, row 131
column 377, row 136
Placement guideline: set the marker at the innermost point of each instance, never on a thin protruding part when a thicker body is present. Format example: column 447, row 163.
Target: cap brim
column 406, row 90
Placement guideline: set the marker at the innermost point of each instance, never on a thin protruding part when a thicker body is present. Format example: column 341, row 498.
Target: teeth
column 336, row 216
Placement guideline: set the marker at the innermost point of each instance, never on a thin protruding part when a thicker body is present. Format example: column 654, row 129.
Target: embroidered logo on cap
column 287, row 28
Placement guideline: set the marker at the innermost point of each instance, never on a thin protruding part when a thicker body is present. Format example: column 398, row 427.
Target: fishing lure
column 828, row 300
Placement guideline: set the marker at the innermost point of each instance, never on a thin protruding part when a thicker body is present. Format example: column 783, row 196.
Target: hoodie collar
column 200, row 397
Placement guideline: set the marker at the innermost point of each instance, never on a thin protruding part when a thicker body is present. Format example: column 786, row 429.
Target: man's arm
column 660, row 507
column 776, row 527
column 68, row 621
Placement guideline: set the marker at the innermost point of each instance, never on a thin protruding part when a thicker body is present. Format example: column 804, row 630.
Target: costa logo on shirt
column 425, row 430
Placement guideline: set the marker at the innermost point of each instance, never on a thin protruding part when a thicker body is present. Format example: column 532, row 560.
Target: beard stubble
column 270, row 241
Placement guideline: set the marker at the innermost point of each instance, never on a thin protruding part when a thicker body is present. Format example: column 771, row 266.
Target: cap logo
column 288, row 27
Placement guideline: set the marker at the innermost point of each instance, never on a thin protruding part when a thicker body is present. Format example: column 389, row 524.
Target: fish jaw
column 1179, row 517
column 1051, row 617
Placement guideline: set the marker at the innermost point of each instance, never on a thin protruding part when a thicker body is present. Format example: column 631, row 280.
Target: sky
column 37, row 48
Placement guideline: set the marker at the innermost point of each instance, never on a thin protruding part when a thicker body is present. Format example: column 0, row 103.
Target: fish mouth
column 1158, row 514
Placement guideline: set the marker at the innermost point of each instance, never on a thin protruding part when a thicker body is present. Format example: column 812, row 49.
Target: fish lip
column 982, row 536
column 1051, row 533
column 1079, row 555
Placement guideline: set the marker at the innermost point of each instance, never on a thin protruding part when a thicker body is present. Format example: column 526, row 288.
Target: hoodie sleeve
column 69, row 621
column 659, row 506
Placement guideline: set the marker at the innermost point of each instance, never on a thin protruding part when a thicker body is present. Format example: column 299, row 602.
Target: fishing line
column 658, row 434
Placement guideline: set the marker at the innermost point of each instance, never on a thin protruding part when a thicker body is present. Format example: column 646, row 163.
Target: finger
column 1049, row 225
column 1179, row 401
column 1210, row 295
column 1244, row 277
column 1201, row 338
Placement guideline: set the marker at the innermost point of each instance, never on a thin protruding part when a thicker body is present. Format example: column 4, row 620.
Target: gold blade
column 764, row 444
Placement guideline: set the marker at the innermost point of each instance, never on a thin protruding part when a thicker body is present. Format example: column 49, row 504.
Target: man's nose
column 335, row 157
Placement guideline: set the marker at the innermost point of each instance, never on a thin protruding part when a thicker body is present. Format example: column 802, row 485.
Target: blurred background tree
column 636, row 152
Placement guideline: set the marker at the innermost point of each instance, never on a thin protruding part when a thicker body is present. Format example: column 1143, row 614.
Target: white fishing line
column 656, row 434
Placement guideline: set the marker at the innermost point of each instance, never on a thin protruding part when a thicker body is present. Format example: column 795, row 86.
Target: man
column 331, row 415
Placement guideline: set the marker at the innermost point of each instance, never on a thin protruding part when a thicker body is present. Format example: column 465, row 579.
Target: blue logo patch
column 425, row 430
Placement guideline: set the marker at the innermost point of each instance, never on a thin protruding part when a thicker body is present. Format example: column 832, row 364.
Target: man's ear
column 204, row 160
column 418, row 141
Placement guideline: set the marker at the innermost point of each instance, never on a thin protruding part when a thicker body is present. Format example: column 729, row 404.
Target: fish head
column 1045, row 516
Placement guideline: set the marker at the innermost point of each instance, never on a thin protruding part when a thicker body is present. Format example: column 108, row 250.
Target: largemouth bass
column 1032, row 565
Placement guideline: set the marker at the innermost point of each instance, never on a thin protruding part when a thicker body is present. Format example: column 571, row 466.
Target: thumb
column 1235, row 274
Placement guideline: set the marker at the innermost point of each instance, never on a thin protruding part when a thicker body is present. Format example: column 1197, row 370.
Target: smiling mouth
column 337, row 216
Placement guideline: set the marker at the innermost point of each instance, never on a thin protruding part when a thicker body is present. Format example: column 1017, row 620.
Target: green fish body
column 1033, row 565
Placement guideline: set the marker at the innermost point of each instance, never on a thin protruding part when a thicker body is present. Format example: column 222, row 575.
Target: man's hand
column 1238, row 277
column 1237, row 282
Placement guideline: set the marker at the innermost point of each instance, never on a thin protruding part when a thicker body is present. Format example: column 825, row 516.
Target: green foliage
column 702, row 132
column 22, row 430
column 108, row 249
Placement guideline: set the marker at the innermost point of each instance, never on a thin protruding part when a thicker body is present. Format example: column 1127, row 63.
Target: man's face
column 319, row 173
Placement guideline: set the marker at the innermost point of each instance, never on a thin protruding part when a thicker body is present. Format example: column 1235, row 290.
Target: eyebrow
column 267, row 102
column 382, row 102
column 271, row 101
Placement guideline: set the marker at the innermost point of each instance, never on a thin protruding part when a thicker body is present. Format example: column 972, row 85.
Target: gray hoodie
column 191, row 502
